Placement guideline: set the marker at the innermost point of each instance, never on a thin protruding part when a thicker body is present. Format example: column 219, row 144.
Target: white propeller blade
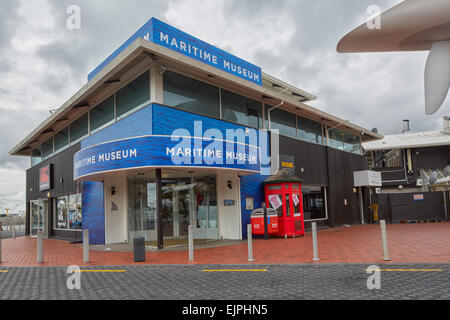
column 437, row 76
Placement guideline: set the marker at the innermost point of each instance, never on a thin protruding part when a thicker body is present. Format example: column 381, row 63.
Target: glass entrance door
column 38, row 215
column 186, row 200
column 142, row 209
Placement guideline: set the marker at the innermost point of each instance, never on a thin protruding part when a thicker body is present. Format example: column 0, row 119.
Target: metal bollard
column 314, row 237
column 14, row 231
column 40, row 252
column 86, row 246
column 384, row 240
column 250, row 243
column 191, row 243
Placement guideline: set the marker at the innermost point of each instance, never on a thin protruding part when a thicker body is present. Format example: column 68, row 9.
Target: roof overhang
column 408, row 141
column 140, row 50
column 412, row 25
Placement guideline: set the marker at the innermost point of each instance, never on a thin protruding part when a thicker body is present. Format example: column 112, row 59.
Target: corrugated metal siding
column 405, row 208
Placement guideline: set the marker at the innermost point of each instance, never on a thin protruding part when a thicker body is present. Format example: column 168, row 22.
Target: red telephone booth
column 283, row 192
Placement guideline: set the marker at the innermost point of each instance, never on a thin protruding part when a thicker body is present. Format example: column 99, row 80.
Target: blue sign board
column 165, row 151
column 179, row 41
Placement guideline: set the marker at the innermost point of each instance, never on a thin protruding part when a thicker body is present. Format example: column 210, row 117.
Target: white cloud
column 243, row 36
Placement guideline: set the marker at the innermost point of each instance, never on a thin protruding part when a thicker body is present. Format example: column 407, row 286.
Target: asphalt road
column 191, row 282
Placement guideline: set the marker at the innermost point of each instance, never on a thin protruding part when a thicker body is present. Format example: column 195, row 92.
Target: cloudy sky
column 42, row 63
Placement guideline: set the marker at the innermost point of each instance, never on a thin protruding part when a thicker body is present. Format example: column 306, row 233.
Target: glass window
column 36, row 156
column 102, row 113
column 296, row 203
column 314, row 202
column 242, row 110
column 288, row 205
column 283, row 121
column 336, row 139
column 352, row 143
column 190, row 95
column 79, row 128
column 134, row 94
column 47, row 148
column 345, row 141
column 309, row 130
column 68, row 212
column 62, row 139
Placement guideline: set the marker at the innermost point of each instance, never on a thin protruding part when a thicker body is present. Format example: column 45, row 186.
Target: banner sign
column 166, row 151
column 45, row 178
column 275, row 201
column 181, row 42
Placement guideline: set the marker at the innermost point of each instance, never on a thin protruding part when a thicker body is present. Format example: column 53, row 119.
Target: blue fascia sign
column 159, row 151
column 179, row 41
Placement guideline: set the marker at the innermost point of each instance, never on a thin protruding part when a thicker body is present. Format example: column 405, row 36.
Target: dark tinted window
column 102, row 113
column 62, row 139
column 133, row 94
column 190, row 94
column 242, row 110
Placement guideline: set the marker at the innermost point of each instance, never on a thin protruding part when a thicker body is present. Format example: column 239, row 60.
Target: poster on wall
column 275, row 201
column 45, row 178
column 295, row 199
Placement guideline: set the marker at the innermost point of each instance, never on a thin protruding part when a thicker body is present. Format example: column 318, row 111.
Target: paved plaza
column 408, row 243
column 237, row 282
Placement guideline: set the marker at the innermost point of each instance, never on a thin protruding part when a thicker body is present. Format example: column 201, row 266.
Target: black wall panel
column 62, row 169
column 405, row 208
column 341, row 166
column 309, row 156
column 333, row 168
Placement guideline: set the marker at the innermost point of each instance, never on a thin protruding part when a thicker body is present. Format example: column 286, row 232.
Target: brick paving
column 408, row 243
column 286, row 282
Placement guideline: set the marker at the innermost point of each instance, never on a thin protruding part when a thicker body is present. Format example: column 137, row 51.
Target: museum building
column 170, row 131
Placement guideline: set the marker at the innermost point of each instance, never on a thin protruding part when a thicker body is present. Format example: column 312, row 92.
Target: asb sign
column 45, row 178
column 179, row 41
column 166, row 151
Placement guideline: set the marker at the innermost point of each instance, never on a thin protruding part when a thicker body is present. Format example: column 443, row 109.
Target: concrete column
column 156, row 84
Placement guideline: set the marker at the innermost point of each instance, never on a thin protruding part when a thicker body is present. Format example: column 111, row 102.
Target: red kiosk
column 283, row 192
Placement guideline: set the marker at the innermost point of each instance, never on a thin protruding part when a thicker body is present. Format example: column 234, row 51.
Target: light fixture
column 113, row 191
column 230, row 184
